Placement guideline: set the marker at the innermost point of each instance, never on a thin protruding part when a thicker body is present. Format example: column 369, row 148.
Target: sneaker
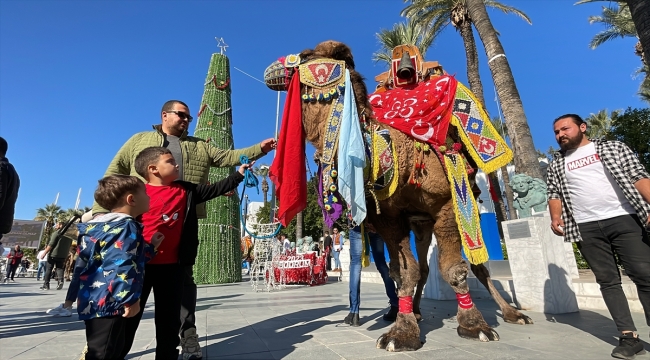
column 57, row 310
column 190, row 345
column 391, row 315
column 59, row 286
column 13, row 281
column 628, row 347
column 44, row 287
column 65, row 312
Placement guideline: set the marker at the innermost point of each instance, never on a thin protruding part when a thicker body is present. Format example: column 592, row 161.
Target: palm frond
column 508, row 10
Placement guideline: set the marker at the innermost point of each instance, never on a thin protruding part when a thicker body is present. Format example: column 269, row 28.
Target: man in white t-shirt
column 42, row 263
column 599, row 197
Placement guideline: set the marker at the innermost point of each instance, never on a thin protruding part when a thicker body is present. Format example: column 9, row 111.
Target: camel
column 425, row 209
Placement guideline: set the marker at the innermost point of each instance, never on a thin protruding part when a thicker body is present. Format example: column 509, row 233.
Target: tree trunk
column 299, row 224
column 473, row 76
column 513, row 110
column 640, row 10
column 510, row 197
column 475, row 84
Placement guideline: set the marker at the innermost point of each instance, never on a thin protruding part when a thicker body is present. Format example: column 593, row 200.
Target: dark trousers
column 51, row 263
column 188, row 302
column 166, row 280
column 105, row 337
column 626, row 237
column 11, row 270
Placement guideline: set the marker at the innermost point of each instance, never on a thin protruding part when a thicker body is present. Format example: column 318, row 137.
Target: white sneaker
column 59, row 311
column 190, row 345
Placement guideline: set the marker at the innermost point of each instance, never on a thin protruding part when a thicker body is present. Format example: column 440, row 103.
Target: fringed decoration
column 465, row 210
column 483, row 142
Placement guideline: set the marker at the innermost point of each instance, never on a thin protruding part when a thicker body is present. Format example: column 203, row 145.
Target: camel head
column 322, row 80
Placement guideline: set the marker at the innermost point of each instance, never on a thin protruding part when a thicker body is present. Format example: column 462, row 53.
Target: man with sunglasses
column 194, row 157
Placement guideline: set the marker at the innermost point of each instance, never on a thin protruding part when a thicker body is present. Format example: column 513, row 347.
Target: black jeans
column 105, row 337
column 11, row 270
column 626, row 237
column 166, row 280
column 188, row 303
column 51, row 263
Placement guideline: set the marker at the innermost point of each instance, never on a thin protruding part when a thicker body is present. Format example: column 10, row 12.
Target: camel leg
column 423, row 231
column 405, row 333
column 510, row 314
column 471, row 324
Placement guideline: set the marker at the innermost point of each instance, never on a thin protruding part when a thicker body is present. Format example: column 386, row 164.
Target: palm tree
column 502, row 129
column 435, row 15
column 50, row 214
column 618, row 24
column 513, row 110
column 404, row 33
column 263, row 170
column 640, row 10
column 599, row 124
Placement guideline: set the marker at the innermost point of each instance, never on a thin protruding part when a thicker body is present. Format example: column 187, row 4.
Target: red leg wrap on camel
column 464, row 301
column 406, row 304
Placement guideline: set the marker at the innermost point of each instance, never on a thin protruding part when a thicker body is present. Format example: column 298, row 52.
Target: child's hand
column 131, row 311
column 156, row 239
column 243, row 167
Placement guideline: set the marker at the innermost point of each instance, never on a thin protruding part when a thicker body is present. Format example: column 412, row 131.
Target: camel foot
column 471, row 325
column 514, row 316
column 403, row 336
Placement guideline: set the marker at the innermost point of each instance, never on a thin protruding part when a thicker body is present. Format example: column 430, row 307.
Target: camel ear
column 306, row 54
column 341, row 51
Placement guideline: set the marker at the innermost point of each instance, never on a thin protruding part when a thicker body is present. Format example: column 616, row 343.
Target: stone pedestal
column 541, row 273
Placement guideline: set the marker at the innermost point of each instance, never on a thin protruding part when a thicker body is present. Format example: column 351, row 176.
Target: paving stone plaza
column 307, row 323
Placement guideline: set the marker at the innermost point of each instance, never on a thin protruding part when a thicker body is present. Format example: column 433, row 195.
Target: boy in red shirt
column 172, row 212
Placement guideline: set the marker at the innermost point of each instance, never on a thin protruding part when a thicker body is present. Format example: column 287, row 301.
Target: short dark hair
column 3, row 146
column 169, row 105
column 576, row 119
column 146, row 157
column 113, row 188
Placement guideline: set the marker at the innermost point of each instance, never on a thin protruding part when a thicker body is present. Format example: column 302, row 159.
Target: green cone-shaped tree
column 219, row 257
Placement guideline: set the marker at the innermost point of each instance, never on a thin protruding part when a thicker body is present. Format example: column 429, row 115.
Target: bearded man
column 599, row 197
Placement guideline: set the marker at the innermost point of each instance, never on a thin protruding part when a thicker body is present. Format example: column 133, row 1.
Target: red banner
column 422, row 111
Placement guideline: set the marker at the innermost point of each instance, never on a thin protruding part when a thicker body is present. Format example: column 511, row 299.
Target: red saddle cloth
column 422, row 111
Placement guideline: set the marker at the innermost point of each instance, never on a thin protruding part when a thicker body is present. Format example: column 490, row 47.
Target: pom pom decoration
column 333, row 188
column 334, row 174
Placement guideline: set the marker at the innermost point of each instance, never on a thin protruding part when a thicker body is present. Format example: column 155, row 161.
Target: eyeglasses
column 182, row 115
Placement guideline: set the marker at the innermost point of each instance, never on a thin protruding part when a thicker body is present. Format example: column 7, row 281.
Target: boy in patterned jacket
column 172, row 212
column 115, row 252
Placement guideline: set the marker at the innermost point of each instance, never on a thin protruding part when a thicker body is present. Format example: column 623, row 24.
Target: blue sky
column 78, row 78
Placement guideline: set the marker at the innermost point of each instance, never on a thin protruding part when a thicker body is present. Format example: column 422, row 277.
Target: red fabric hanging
column 288, row 171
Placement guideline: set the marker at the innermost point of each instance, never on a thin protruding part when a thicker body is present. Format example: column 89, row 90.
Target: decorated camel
column 394, row 160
